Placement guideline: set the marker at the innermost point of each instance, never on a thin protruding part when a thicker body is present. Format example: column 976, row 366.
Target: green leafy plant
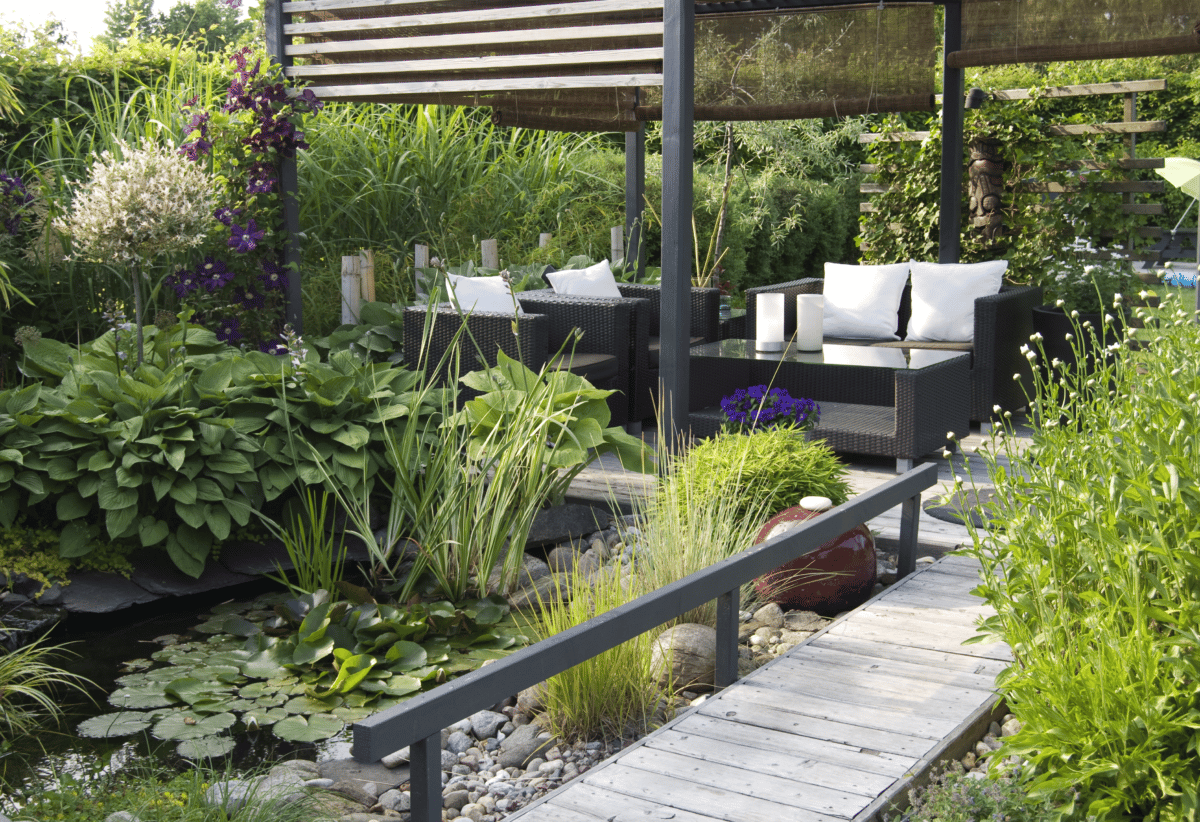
column 1079, row 281
column 1093, row 580
column 775, row 466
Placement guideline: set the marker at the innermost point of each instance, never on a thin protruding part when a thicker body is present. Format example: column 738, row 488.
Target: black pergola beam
column 950, row 207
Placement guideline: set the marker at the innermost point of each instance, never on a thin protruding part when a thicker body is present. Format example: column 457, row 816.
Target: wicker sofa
column 1003, row 323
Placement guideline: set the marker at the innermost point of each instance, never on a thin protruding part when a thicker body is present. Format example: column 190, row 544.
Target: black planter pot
column 1055, row 325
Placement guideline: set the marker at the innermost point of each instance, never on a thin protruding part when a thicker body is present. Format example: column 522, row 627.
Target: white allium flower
column 140, row 205
column 1059, row 303
column 996, row 409
column 1118, row 298
column 1076, row 314
column 1068, row 336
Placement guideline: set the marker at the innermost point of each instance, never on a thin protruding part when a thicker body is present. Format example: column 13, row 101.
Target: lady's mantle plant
column 749, row 409
column 139, row 205
column 239, row 283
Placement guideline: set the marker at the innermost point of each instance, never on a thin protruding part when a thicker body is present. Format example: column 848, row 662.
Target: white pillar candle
column 769, row 322
column 810, row 315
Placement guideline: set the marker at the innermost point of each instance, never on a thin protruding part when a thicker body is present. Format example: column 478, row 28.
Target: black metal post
column 679, row 20
column 289, row 184
column 425, row 779
column 727, row 639
column 950, row 214
column 906, row 561
column 635, row 199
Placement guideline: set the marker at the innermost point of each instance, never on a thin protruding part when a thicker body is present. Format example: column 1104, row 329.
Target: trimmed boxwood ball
column 777, row 464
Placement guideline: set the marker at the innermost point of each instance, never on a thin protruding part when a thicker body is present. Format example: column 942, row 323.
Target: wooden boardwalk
column 835, row 729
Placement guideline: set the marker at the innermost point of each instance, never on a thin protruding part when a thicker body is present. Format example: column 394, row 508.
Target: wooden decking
column 833, row 730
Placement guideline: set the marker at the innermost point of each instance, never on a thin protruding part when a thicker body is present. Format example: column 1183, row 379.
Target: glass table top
column 866, row 356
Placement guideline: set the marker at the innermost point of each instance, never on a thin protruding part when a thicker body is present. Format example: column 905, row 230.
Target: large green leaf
column 152, row 695
column 119, row 522
column 184, row 725
column 152, row 531
column 71, row 506
column 74, row 540
column 108, row 726
column 183, row 558
column 308, row 729
column 206, row 747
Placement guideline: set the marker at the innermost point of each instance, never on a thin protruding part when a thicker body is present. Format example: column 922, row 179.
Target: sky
column 83, row 18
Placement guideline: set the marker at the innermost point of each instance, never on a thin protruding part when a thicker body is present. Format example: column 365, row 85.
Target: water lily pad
column 220, row 673
column 184, row 725
column 308, row 705
column 397, row 685
column 206, row 747
column 228, row 624
column 107, row 726
column 350, row 715
column 308, row 729
column 262, row 665
column 263, row 718
column 229, row 608
column 193, row 690
column 137, row 698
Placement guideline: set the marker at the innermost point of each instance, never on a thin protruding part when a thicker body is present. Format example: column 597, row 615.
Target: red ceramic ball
column 836, row 577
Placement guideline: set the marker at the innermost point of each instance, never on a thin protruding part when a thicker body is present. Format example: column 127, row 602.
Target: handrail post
column 906, row 561
column 425, row 779
column 727, row 639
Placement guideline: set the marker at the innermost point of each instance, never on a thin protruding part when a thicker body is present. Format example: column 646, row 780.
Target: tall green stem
column 137, row 307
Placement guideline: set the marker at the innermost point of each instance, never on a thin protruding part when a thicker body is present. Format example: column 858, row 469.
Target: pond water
column 101, row 645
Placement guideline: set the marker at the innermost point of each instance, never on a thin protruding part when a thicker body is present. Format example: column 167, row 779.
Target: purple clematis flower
column 214, row 274
column 245, row 240
column 229, row 330
column 274, row 277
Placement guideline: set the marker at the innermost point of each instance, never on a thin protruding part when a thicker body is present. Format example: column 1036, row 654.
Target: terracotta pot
column 836, row 577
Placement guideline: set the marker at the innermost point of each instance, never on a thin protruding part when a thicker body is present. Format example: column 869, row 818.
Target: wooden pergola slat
column 529, row 14
column 416, row 90
column 482, row 63
column 600, row 35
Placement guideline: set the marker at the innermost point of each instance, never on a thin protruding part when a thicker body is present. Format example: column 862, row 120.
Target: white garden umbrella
column 1184, row 174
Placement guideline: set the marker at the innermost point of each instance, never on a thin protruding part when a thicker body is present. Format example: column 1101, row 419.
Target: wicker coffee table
column 893, row 402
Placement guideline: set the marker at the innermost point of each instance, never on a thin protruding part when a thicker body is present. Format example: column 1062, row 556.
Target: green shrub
column 1096, row 580
column 775, row 467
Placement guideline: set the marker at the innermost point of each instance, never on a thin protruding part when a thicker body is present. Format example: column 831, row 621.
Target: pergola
column 612, row 65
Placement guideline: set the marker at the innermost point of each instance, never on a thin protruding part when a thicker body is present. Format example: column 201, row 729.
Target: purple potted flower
column 758, row 406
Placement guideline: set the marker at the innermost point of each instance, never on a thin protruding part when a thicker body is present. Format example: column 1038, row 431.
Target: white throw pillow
column 482, row 294
column 943, row 298
column 863, row 301
column 594, row 281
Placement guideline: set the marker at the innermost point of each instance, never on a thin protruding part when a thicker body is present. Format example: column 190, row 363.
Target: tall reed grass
column 1095, row 577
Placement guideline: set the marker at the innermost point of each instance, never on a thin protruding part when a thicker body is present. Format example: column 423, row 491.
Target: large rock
column 555, row 587
column 563, row 523
column 836, row 577
column 101, row 592
column 686, row 654
column 522, row 745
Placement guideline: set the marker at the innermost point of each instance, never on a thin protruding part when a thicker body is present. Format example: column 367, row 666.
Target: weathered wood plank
column 798, row 744
column 1136, row 127
column 597, row 802
column 809, row 678
column 600, row 35
column 895, row 136
column 946, row 663
column 746, row 782
column 761, row 714
column 850, row 711
column 716, row 801
column 784, row 763
column 1118, row 186
column 892, row 630
column 557, row 811
column 1084, row 90
column 1152, row 209
column 416, row 22
column 901, row 670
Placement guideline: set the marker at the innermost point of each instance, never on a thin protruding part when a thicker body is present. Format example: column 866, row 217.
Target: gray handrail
column 418, row 722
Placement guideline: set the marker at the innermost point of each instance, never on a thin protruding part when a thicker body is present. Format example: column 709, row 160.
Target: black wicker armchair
column 603, row 353
column 485, row 333
column 1003, row 323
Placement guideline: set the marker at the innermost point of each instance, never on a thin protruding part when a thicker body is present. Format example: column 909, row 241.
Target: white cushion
column 943, row 298
column 594, row 281
column 863, row 301
column 487, row 294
